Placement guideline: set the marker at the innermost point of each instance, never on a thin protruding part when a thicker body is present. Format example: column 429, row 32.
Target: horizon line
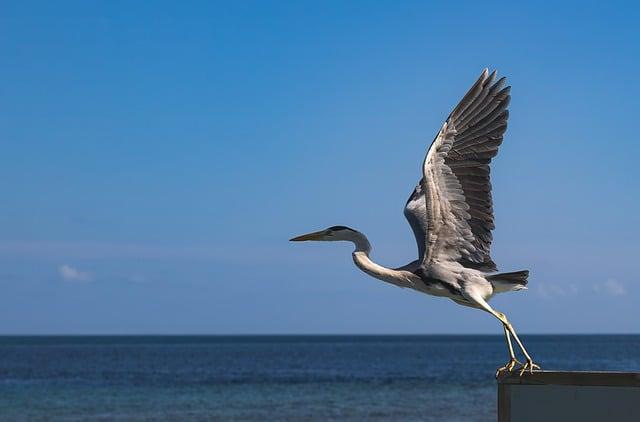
column 301, row 334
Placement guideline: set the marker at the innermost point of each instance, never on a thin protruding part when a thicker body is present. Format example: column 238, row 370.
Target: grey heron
column 451, row 214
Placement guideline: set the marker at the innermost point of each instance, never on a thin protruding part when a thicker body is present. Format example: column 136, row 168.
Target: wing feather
column 451, row 208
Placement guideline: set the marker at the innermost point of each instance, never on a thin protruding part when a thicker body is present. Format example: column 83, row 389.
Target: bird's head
column 331, row 234
column 337, row 233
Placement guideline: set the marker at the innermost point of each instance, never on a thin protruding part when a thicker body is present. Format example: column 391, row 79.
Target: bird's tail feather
column 506, row 282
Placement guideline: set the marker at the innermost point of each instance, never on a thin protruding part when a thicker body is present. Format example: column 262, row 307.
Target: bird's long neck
column 363, row 261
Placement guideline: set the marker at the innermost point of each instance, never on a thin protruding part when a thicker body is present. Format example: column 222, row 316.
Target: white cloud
column 611, row 287
column 139, row 278
column 548, row 290
column 70, row 274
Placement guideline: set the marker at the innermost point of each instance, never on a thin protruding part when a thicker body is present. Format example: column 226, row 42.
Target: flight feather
column 451, row 209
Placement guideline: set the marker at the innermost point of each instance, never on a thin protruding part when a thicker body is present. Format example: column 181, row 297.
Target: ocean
column 289, row 378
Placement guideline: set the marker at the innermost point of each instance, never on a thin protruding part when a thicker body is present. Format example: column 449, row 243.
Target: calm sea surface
column 155, row 378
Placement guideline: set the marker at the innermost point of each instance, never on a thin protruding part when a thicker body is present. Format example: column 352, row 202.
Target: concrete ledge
column 569, row 396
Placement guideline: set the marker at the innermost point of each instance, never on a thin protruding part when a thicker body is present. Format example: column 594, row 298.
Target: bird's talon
column 508, row 367
column 529, row 366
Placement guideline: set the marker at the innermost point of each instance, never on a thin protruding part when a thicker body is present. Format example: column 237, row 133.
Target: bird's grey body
column 444, row 279
column 451, row 212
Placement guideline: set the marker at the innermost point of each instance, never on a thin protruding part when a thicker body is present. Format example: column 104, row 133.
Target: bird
column 451, row 214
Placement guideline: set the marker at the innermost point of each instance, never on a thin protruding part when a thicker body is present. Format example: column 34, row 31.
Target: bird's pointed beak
column 308, row 236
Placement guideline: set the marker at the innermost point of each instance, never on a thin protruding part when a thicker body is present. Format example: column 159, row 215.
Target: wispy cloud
column 139, row 278
column 549, row 290
column 70, row 274
column 266, row 252
column 611, row 287
column 90, row 250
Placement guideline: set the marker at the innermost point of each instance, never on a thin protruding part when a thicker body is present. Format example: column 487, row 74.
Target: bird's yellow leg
column 512, row 357
column 528, row 365
column 474, row 296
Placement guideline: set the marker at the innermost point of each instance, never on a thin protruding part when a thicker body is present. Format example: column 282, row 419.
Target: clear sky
column 156, row 157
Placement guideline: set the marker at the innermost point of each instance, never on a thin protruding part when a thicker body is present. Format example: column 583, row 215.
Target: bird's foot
column 529, row 366
column 508, row 367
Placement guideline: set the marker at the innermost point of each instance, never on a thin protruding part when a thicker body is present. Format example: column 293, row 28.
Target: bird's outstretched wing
column 451, row 210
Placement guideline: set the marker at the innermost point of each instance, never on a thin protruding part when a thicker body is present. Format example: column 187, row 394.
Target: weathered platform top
column 561, row 396
column 602, row 379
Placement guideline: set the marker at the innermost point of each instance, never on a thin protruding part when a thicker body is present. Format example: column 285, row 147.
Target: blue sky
column 157, row 156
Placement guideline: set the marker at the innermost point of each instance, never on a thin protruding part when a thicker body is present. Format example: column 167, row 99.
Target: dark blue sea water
column 439, row 378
